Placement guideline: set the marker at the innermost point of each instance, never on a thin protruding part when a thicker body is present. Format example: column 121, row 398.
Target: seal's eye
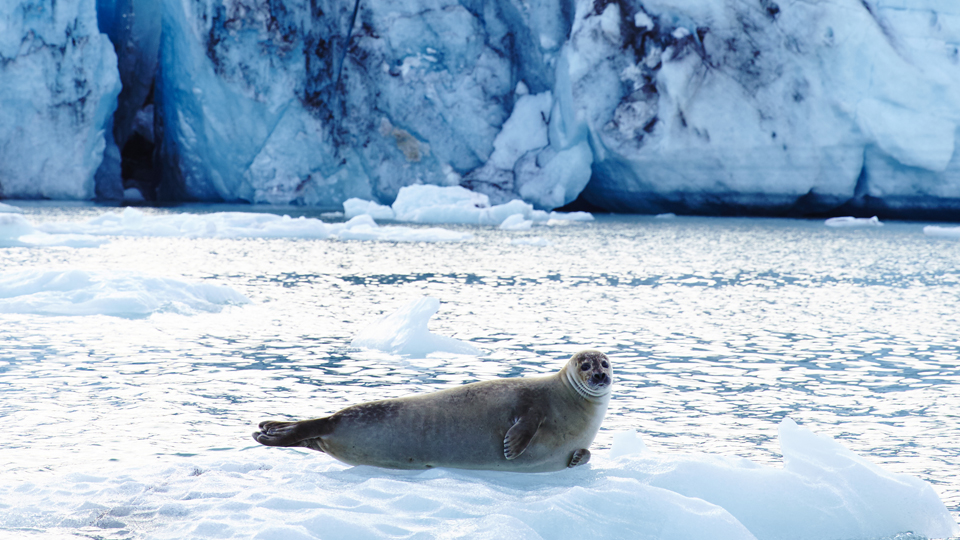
column 604, row 364
column 584, row 366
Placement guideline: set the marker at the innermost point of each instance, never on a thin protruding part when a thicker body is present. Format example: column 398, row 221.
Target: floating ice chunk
column 8, row 209
column 16, row 231
column 363, row 227
column 667, row 215
column 532, row 241
column 355, row 207
column 627, row 442
column 78, row 292
column 571, row 216
column 453, row 204
column 943, row 232
column 516, row 223
column 404, row 332
column 12, row 227
column 848, row 221
column 133, row 222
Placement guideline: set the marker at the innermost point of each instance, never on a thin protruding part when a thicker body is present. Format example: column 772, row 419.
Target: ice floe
column 80, row 292
column 16, row 231
column 456, row 205
column 823, row 492
column 134, row 222
column 850, row 221
column 942, row 232
column 404, row 332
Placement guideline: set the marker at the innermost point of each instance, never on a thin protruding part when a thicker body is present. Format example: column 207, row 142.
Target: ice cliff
column 705, row 106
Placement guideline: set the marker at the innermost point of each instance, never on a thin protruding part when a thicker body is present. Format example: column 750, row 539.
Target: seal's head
column 590, row 374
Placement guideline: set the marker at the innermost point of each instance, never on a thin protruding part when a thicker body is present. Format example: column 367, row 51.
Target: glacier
column 771, row 107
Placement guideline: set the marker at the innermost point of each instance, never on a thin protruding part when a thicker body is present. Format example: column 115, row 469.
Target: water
column 718, row 329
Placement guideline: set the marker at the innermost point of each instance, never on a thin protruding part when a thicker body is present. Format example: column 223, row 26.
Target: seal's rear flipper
column 304, row 433
column 580, row 457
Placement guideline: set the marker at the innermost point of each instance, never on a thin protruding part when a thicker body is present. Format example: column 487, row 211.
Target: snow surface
column 850, row 221
column 653, row 106
column 80, row 292
column 404, row 332
column 133, row 222
column 823, row 492
column 6, row 208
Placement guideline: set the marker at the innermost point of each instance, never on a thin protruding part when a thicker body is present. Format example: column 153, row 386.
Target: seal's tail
column 304, row 433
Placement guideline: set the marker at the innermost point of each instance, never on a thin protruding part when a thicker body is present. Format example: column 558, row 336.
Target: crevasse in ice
column 638, row 105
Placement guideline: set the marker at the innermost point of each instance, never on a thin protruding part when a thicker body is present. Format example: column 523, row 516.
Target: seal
column 530, row 424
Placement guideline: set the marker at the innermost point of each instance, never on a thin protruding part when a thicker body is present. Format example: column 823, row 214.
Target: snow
column 822, row 492
column 134, row 222
column 6, row 208
column 850, row 221
column 80, row 292
column 404, row 332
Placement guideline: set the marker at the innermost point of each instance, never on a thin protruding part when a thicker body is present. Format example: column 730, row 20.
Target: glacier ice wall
column 740, row 105
column 732, row 106
column 58, row 90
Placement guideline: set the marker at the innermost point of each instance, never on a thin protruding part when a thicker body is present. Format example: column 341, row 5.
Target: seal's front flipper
column 292, row 433
column 520, row 434
column 580, row 457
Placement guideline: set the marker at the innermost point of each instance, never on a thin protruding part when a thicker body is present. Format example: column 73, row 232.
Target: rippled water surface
column 718, row 328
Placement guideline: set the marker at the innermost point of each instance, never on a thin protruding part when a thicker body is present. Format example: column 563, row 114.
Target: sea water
column 136, row 422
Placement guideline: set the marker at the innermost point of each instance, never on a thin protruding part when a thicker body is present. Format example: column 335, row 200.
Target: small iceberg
column 358, row 207
column 404, row 332
column 942, row 232
column 850, row 221
column 455, row 205
column 78, row 292
column 516, row 222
